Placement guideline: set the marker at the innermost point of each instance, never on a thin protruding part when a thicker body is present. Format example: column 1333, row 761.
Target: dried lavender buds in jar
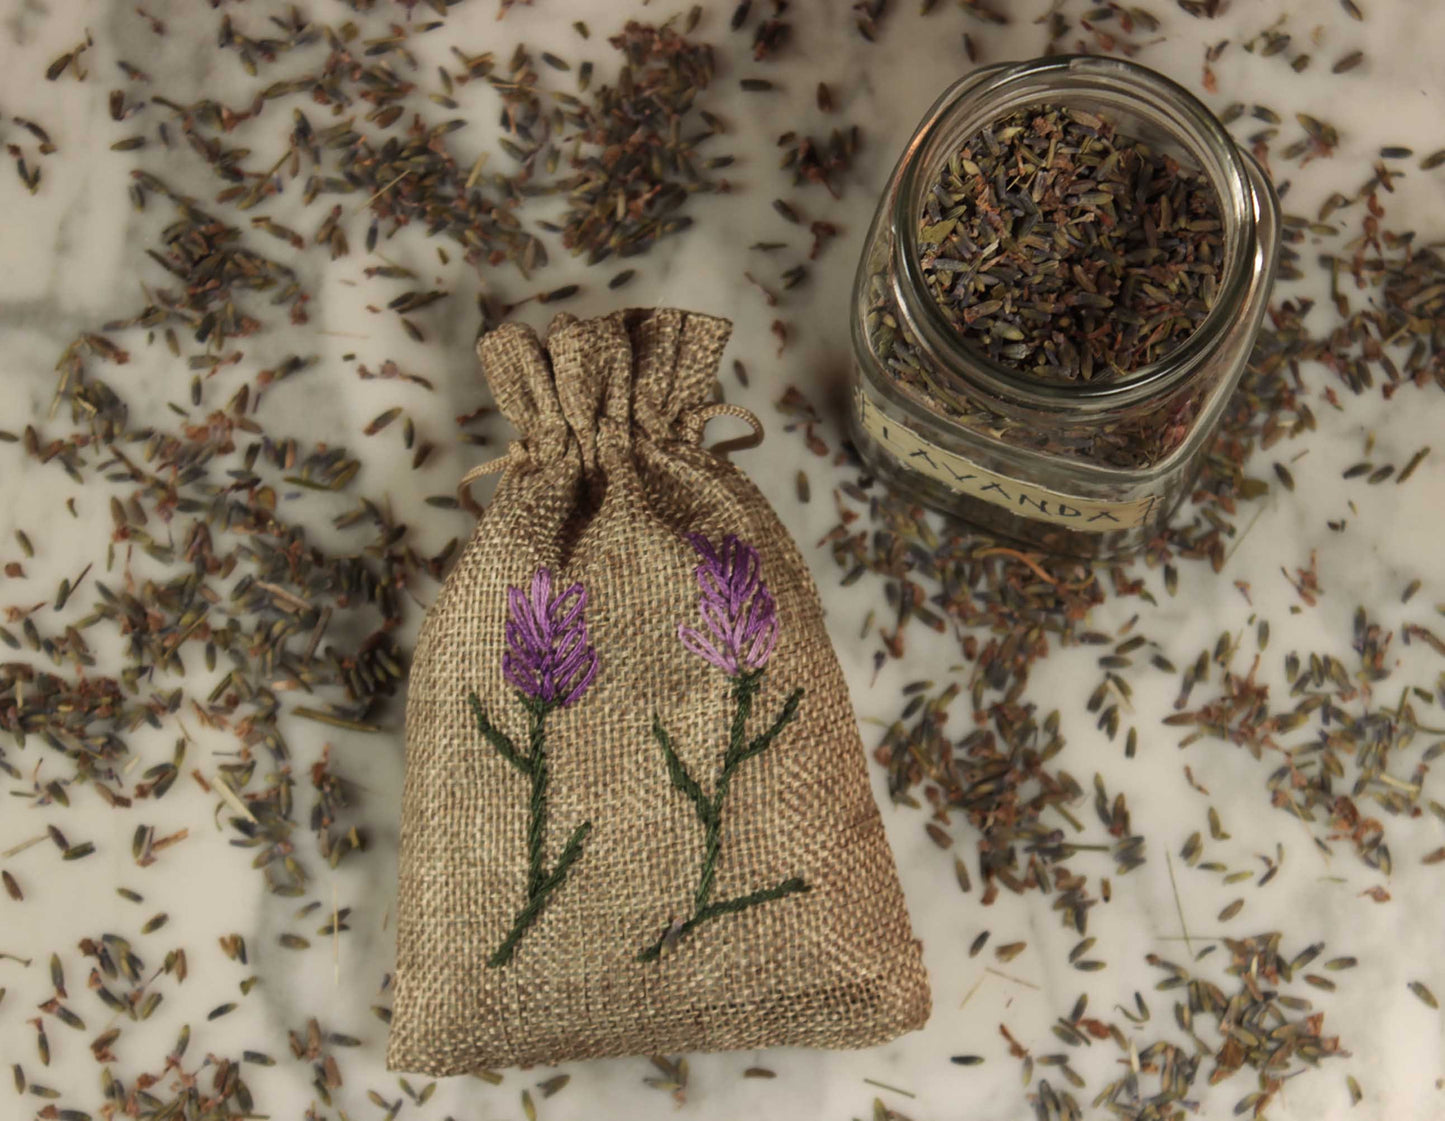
column 1056, row 299
column 1063, row 249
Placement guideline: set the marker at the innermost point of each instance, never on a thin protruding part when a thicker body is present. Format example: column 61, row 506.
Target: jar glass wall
column 1085, row 467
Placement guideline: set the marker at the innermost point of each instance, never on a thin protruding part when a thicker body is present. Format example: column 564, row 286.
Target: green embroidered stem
column 680, row 778
column 528, row 914
column 536, row 832
column 540, row 883
column 709, row 810
column 496, row 737
column 792, row 886
column 786, row 717
column 743, row 693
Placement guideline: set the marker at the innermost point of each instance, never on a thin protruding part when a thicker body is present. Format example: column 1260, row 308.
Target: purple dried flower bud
column 738, row 610
column 548, row 657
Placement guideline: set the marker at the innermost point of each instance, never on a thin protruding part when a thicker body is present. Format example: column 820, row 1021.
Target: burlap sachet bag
column 637, row 816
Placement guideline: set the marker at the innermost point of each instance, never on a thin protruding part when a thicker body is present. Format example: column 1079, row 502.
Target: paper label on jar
column 1086, row 515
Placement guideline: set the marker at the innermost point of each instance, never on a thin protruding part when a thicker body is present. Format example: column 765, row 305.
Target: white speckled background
column 72, row 257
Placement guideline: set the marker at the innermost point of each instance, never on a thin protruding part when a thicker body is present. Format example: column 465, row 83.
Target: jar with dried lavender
column 1057, row 296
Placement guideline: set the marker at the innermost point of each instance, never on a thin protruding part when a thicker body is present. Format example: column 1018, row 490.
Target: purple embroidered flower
column 548, row 657
column 741, row 617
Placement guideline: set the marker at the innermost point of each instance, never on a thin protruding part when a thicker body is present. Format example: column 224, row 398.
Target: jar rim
column 1204, row 137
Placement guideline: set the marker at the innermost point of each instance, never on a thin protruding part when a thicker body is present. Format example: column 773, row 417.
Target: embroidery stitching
column 551, row 664
column 741, row 622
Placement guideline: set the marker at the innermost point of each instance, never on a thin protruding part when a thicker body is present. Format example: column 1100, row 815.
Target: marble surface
column 72, row 257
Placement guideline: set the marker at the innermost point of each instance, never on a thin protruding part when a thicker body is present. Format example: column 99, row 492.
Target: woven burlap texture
column 605, row 482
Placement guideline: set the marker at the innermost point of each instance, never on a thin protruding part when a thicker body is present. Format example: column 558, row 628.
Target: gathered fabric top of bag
column 637, row 816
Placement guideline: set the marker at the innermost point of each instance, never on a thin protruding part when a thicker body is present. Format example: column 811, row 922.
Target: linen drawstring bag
column 637, row 817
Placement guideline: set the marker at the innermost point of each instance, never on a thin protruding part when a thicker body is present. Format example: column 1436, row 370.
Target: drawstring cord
column 692, row 427
column 490, row 467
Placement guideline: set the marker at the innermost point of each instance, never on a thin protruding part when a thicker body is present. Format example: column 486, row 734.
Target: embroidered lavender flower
column 551, row 664
column 736, row 606
column 548, row 657
column 742, row 629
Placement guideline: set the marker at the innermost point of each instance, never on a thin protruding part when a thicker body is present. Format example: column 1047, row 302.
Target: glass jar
column 1090, row 468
